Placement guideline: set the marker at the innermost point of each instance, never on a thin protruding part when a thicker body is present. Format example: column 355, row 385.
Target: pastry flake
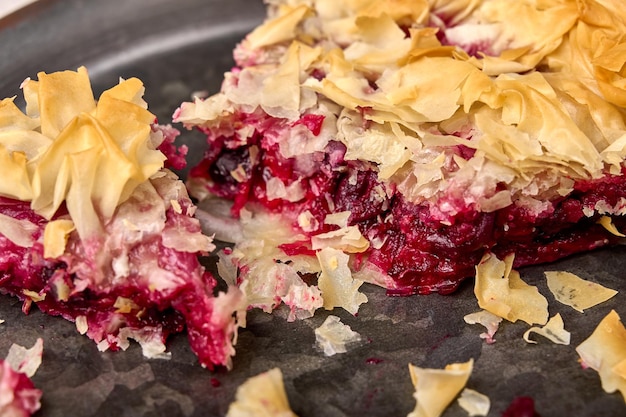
column 490, row 321
column 576, row 292
column 333, row 336
column 263, row 394
column 605, row 352
column 435, row 389
column 475, row 403
column 500, row 290
column 553, row 330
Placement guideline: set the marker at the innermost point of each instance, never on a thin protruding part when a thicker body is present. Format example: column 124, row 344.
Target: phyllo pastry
column 93, row 228
column 398, row 142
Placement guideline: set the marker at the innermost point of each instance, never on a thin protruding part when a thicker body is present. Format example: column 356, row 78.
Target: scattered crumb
column 338, row 287
column 262, row 395
column 435, row 389
column 605, row 352
column 576, row 292
column 25, row 360
column 475, row 403
column 487, row 319
column 554, row 331
column 500, row 290
column 333, row 336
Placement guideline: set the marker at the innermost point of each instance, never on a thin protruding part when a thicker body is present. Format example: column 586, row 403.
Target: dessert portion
column 93, row 228
column 399, row 142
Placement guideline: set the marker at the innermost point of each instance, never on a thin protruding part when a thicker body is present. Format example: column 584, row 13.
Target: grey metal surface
column 177, row 47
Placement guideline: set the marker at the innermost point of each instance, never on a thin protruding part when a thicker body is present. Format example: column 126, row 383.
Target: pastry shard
column 262, row 395
column 487, row 319
column 553, row 330
column 447, row 130
column 576, row 292
column 605, row 352
column 475, row 403
column 435, row 389
column 500, row 290
column 93, row 228
column 333, row 336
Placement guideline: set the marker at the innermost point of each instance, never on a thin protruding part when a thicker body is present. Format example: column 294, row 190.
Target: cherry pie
column 397, row 142
column 93, row 228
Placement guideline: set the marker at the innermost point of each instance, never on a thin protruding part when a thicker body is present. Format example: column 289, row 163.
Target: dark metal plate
column 177, row 47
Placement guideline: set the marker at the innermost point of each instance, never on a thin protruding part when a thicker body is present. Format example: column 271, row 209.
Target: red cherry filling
column 57, row 289
column 419, row 253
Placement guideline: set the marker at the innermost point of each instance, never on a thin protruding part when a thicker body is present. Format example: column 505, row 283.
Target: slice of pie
column 93, row 228
column 398, row 141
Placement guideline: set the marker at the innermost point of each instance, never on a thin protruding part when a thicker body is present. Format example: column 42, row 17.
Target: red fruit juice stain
column 370, row 397
column 521, row 407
